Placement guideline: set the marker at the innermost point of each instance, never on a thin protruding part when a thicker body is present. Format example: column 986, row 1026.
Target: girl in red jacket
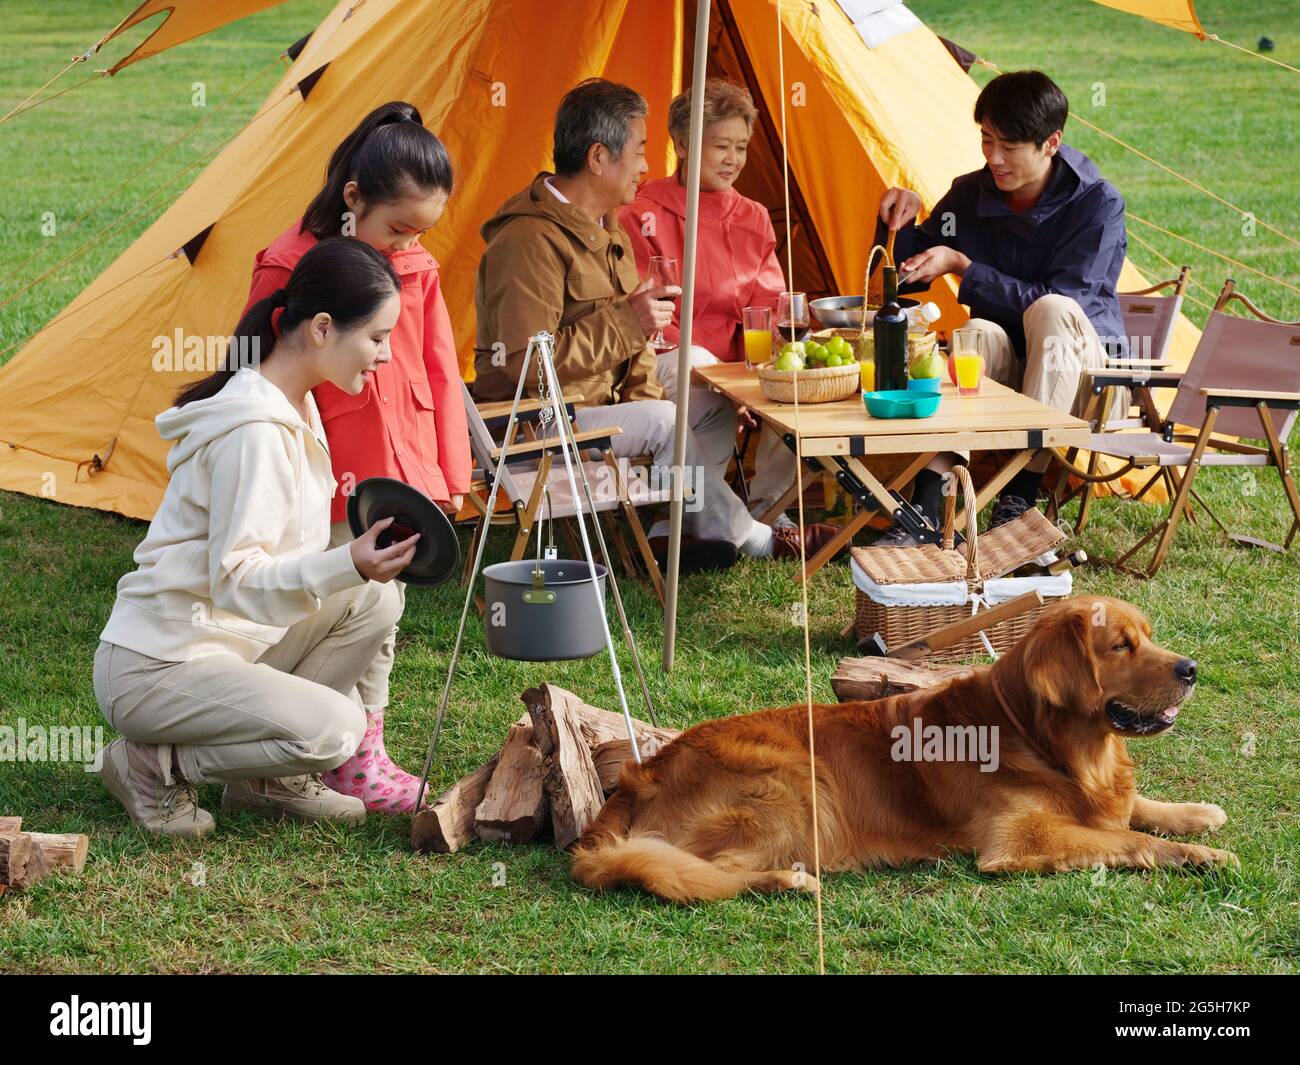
column 386, row 184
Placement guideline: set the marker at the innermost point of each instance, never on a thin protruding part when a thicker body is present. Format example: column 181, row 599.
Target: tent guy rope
column 147, row 164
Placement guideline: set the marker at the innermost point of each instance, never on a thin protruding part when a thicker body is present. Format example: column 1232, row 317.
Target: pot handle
column 539, row 595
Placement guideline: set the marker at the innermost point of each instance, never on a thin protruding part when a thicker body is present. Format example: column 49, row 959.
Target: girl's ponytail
column 386, row 154
column 343, row 277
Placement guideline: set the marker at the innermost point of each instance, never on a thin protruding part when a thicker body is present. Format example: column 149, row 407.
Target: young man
column 1037, row 238
column 558, row 260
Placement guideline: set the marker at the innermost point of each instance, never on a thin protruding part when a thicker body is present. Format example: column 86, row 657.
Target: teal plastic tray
column 898, row 404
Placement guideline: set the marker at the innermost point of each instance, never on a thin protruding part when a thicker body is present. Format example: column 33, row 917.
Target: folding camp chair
column 1149, row 320
column 1239, row 363
column 530, row 484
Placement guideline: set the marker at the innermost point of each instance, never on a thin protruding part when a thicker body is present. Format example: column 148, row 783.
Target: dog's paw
column 1193, row 854
column 798, row 880
column 1204, row 817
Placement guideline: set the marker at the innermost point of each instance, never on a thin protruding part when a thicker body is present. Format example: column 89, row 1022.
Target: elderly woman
column 736, row 267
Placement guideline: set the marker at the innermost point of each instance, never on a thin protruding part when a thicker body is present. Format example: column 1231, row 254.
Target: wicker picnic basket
column 904, row 593
column 822, row 384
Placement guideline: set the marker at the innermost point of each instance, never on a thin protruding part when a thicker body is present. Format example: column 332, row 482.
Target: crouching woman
column 233, row 645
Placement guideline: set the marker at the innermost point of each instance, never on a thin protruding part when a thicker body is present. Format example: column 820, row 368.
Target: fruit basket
column 819, row 385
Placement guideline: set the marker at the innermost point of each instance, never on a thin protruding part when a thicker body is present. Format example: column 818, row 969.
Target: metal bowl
column 846, row 311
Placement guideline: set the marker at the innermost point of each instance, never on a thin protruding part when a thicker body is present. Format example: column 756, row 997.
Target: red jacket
column 736, row 264
column 409, row 421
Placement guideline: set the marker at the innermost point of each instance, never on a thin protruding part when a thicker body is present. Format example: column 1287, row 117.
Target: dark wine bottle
column 890, row 334
column 1053, row 569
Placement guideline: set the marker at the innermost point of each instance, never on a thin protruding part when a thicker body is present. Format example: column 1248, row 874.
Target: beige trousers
column 1060, row 344
column 288, row 713
column 372, row 687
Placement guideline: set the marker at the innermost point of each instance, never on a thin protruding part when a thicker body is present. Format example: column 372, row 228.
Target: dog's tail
column 656, row 865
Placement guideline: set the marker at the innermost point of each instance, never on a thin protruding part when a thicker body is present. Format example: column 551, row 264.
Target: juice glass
column 968, row 360
column 868, row 371
column 758, row 336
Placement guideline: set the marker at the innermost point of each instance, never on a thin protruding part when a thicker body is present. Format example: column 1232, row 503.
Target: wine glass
column 663, row 272
column 792, row 315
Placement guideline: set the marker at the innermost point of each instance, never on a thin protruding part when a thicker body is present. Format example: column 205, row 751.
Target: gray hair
column 594, row 112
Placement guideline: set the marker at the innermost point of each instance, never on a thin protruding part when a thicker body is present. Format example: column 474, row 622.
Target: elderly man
column 1037, row 238
column 558, row 260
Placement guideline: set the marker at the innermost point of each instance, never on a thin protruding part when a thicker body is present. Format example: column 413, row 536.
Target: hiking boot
column 696, row 555
column 154, row 799
column 1008, row 508
column 300, row 798
column 895, row 536
column 785, row 540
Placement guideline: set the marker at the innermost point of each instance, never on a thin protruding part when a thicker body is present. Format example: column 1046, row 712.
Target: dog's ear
column 1054, row 666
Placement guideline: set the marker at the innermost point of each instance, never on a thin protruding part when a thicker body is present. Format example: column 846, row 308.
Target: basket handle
column 866, row 283
column 972, row 518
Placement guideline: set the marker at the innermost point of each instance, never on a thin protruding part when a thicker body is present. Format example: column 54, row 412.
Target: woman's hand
column 381, row 564
column 453, row 505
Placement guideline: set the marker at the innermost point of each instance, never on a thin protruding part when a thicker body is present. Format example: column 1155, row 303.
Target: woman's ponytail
column 343, row 277
column 249, row 345
column 386, row 154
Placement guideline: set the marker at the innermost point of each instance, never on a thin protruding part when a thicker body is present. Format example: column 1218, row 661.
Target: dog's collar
column 1024, row 733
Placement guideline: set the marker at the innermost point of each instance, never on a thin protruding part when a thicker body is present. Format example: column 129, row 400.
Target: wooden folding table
column 836, row 437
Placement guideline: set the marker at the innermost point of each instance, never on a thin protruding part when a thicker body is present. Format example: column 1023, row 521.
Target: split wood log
column 514, row 805
column 448, row 823
column 572, row 784
column 15, row 853
column 863, row 679
column 64, row 850
column 37, row 869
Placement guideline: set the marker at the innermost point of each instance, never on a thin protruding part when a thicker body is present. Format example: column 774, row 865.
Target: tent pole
column 684, row 319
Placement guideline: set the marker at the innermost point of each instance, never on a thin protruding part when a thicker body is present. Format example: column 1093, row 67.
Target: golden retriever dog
column 1022, row 762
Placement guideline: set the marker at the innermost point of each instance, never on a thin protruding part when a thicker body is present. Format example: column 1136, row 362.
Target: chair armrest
column 1248, row 397
column 500, row 408
column 1150, row 378
column 554, row 443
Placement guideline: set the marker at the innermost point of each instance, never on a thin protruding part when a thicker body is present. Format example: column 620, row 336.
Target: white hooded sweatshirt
column 237, row 551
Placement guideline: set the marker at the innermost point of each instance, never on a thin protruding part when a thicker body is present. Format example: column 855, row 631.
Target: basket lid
column 1019, row 541
column 923, row 564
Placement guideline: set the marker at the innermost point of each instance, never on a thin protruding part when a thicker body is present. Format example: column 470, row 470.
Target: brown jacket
column 549, row 267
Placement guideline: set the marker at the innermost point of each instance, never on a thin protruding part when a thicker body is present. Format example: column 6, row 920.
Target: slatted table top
column 998, row 418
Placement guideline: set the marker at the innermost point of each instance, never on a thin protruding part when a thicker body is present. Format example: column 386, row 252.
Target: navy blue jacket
column 1072, row 243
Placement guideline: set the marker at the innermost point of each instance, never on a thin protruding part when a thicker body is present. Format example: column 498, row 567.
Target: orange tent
column 1177, row 14
column 77, row 403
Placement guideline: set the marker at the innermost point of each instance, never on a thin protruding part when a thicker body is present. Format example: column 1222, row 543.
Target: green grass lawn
column 314, row 899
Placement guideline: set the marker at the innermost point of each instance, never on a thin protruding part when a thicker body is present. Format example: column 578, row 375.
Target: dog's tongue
column 1167, row 715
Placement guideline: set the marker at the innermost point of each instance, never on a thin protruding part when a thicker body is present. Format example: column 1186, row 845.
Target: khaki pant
column 713, row 421
column 1060, row 344
column 647, row 428
column 372, row 687
column 288, row 713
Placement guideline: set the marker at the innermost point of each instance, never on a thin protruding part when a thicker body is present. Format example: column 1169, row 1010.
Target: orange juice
column 970, row 367
column 758, row 347
column 868, row 369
